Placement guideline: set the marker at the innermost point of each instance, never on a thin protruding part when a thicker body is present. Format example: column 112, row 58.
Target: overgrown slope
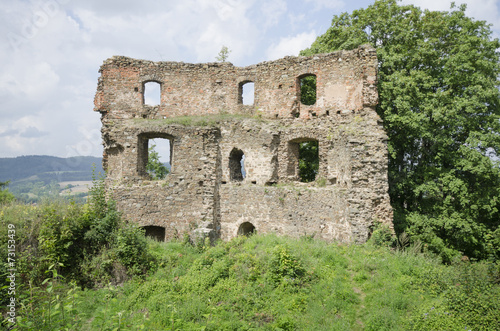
column 276, row 283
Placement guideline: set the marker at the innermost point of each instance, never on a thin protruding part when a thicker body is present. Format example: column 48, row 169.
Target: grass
column 267, row 282
column 198, row 120
column 263, row 282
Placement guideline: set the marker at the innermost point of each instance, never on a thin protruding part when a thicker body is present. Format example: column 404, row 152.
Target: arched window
column 307, row 85
column 152, row 93
column 236, row 165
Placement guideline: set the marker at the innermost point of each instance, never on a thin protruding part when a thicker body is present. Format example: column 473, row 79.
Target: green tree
column 223, row 54
column 5, row 195
column 308, row 90
column 154, row 167
column 308, row 161
column 439, row 99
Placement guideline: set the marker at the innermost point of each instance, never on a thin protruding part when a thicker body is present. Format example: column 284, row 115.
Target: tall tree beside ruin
column 439, row 99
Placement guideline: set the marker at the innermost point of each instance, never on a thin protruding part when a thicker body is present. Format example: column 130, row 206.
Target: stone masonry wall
column 210, row 131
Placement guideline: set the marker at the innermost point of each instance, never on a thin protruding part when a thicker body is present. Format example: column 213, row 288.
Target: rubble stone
column 210, row 130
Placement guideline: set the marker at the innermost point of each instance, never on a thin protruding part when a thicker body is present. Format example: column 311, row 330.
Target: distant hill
column 48, row 168
column 35, row 177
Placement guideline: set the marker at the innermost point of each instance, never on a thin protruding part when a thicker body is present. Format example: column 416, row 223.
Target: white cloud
column 49, row 72
column 51, row 51
column 290, row 45
column 273, row 12
column 326, row 4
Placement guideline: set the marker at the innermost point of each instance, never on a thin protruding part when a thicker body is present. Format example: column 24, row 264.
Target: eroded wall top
column 345, row 82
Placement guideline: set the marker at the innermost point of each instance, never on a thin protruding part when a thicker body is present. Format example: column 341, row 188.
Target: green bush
column 474, row 297
column 132, row 249
column 284, row 267
column 5, row 195
column 88, row 243
column 382, row 236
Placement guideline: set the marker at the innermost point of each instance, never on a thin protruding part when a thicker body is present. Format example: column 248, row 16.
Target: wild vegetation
column 5, row 195
column 83, row 268
column 86, row 245
column 440, row 102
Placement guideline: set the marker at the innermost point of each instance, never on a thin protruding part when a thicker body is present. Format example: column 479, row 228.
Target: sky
column 51, row 51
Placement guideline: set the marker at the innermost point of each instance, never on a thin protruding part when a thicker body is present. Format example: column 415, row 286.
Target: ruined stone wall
column 202, row 114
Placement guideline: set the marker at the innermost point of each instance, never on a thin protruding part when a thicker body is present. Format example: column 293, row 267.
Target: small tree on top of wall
column 223, row 54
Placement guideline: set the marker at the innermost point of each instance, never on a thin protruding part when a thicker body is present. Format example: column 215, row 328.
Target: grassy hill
column 276, row 283
column 116, row 279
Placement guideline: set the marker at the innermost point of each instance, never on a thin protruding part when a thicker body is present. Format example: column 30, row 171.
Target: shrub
column 284, row 267
column 382, row 236
column 132, row 249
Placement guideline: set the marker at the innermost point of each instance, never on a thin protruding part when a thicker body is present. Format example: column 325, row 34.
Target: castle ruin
column 235, row 167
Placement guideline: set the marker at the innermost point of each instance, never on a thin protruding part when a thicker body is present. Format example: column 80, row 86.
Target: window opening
column 246, row 93
column 308, row 89
column 246, row 229
column 303, row 159
column 154, row 155
column 236, row 165
column 158, row 165
column 155, row 232
column 152, row 93
column 308, row 160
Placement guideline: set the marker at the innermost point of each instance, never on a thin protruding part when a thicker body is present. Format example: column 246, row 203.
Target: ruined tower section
column 235, row 166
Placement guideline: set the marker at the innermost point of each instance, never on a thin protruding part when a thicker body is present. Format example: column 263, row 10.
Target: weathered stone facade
column 210, row 129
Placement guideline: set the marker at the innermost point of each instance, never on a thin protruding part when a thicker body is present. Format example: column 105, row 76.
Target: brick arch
column 246, row 229
column 304, row 79
column 241, row 83
column 144, row 90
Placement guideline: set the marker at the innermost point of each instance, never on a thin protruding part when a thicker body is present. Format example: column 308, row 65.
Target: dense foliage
column 308, row 161
column 308, row 90
column 439, row 99
column 5, row 195
column 89, row 244
column 277, row 283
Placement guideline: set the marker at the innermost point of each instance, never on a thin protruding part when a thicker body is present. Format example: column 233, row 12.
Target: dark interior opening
column 236, row 166
column 246, row 229
column 155, row 232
